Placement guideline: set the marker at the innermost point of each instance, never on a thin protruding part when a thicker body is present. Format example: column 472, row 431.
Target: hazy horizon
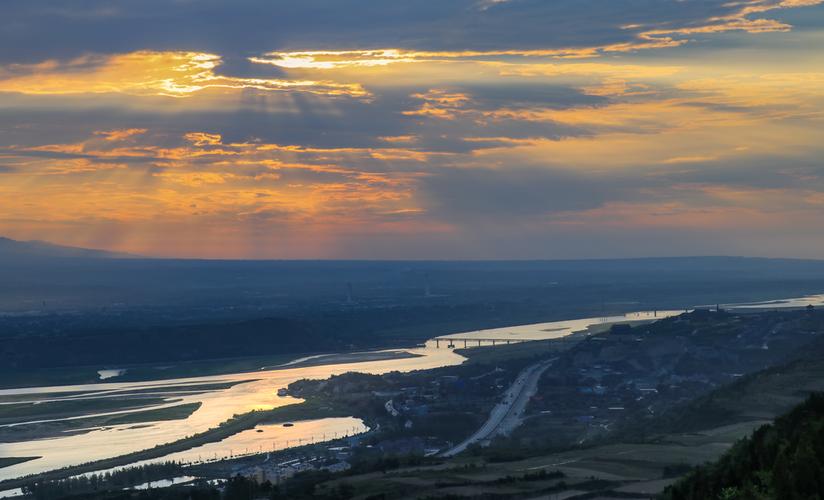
column 117, row 255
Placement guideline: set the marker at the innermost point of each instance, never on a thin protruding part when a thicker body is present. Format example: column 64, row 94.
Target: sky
column 414, row 129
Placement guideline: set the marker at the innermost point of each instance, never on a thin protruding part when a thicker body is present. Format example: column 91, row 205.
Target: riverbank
column 58, row 428
column 203, row 368
column 306, row 410
column 261, row 394
column 226, row 429
column 9, row 461
column 148, row 372
column 345, row 358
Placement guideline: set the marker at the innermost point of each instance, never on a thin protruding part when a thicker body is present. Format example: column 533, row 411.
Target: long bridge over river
column 467, row 341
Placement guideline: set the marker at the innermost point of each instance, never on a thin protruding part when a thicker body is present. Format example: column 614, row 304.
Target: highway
column 506, row 415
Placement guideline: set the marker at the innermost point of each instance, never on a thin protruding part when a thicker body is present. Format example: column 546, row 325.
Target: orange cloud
column 203, row 139
column 440, row 103
column 195, row 180
column 146, row 73
column 122, row 134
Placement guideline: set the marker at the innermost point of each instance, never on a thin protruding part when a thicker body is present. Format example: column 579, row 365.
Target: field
column 621, row 470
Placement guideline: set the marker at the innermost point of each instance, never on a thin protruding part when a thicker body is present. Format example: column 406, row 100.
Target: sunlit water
column 263, row 438
column 164, row 483
column 107, row 374
column 273, row 437
column 809, row 300
column 259, row 391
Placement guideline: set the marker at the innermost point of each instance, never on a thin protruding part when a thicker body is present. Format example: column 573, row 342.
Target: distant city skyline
column 469, row 129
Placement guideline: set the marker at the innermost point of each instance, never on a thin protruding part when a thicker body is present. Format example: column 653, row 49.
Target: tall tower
column 349, row 297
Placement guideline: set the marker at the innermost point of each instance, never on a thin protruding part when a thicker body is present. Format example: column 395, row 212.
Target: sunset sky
column 444, row 129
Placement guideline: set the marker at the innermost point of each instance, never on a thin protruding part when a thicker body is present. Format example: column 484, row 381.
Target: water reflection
column 107, row 374
column 273, row 437
column 165, row 483
column 16, row 492
column 258, row 391
column 809, row 300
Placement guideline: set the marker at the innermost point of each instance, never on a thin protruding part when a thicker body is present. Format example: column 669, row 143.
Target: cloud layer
column 465, row 129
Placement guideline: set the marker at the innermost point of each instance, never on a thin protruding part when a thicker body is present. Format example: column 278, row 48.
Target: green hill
column 783, row 460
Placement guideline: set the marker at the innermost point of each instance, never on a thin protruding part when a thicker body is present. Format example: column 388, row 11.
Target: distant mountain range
column 10, row 248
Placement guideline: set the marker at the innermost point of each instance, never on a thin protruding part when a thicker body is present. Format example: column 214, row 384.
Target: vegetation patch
column 781, row 460
column 9, row 461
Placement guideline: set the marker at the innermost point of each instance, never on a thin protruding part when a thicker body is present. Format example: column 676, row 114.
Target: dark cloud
column 765, row 172
column 32, row 31
column 483, row 194
column 308, row 120
column 523, row 95
column 517, row 194
column 59, row 155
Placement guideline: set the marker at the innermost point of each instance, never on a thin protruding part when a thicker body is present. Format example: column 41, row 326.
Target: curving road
column 506, row 415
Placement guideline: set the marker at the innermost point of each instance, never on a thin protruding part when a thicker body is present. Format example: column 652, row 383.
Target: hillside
column 756, row 397
column 14, row 249
column 634, row 382
column 782, row 460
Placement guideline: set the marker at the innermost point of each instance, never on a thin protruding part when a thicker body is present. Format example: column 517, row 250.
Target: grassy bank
column 177, row 412
column 9, row 461
column 311, row 409
column 20, row 412
column 45, row 430
column 203, row 368
column 141, row 372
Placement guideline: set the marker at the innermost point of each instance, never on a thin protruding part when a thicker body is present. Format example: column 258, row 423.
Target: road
column 506, row 415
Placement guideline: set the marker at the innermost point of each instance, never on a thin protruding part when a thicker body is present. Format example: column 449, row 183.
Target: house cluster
column 334, row 460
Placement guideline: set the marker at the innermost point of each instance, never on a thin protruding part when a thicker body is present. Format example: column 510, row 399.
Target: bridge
column 478, row 342
column 451, row 341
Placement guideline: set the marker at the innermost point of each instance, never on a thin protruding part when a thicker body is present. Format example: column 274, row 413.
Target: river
column 258, row 391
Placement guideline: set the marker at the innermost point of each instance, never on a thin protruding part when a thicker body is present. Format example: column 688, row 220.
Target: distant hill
column 763, row 395
column 10, row 248
column 40, row 277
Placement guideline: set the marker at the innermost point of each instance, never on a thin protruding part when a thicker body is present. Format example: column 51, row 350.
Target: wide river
column 258, row 391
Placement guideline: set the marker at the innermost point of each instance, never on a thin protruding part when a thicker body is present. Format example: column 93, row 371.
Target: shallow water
column 112, row 373
column 163, row 483
column 258, row 391
column 273, row 437
column 809, row 300
column 16, row 492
